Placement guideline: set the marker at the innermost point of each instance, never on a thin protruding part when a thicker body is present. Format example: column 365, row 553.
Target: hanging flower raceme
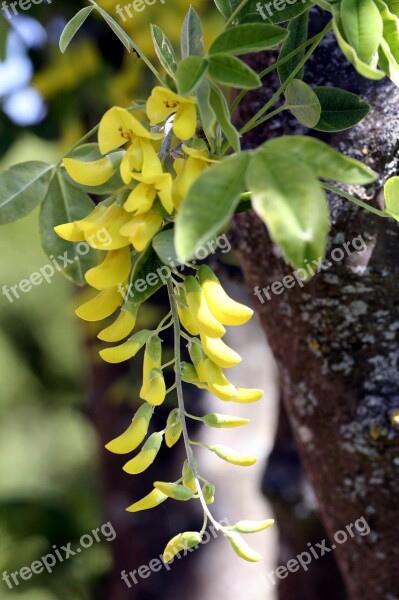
column 163, row 103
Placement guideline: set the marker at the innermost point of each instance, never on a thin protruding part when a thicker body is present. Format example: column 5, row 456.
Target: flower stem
column 180, row 400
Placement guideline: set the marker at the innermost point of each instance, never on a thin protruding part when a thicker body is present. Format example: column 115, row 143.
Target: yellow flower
column 121, row 327
column 112, row 271
column 119, row 126
column 187, row 172
column 130, row 439
column 163, row 102
column 91, row 173
column 101, row 306
column 153, row 388
column 142, row 197
column 100, row 229
column 141, row 229
column 221, row 354
column 199, row 309
column 127, row 350
column 150, row 501
column 222, row 307
column 218, row 385
column 146, row 456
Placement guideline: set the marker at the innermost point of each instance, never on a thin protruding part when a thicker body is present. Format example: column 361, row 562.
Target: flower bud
column 241, row 547
column 134, row 434
column 200, row 311
column 150, row 501
column 173, row 428
column 219, row 352
column 174, row 490
column 232, row 456
column 181, row 541
column 146, row 456
column 224, row 421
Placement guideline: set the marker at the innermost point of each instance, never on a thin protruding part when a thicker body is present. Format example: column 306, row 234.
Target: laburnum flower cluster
column 152, row 191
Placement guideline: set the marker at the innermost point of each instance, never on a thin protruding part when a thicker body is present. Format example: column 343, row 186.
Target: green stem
column 252, row 123
column 275, row 66
column 236, row 13
column 335, row 190
column 180, row 401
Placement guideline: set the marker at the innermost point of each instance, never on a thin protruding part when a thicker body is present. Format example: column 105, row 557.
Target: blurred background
column 59, row 405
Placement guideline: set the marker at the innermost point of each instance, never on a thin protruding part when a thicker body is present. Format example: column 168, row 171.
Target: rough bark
column 335, row 339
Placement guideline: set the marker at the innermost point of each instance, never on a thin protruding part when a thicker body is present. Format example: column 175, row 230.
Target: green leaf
column 116, row 28
column 206, row 112
column 339, row 109
column 148, row 276
column 391, row 192
column 361, row 67
column 63, row 204
column 303, row 102
column 224, row 7
column 233, row 72
column 190, row 73
column 192, row 41
column 362, row 25
column 73, row 27
column 389, row 49
column 326, row 162
column 22, row 188
column 164, row 50
column 209, row 204
column 243, row 39
column 290, row 201
column 164, row 246
column 222, row 112
column 297, row 35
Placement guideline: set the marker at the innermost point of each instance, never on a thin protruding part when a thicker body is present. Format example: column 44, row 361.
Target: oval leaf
column 209, row 204
column 22, row 188
column 303, row 102
column 190, row 73
column 164, row 50
column 233, row 72
column 339, row 109
column 362, row 25
column 73, row 26
column 253, row 37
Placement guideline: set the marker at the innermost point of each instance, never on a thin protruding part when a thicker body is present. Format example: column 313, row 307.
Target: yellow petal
column 186, row 176
column 241, row 548
column 120, row 328
column 120, row 353
column 141, row 199
column 141, row 229
column 185, row 122
column 117, row 127
column 130, row 439
column 146, row 456
column 247, row 395
column 232, row 456
column 70, row 232
column 202, row 155
column 132, row 161
column 187, row 320
column 163, row 102
column 112, row 271
column 223, row 308
column 218, row 384
column 89, row 173
column 150, row 501
column 182, row 541
column 101, row 306
column 219, row 352
column 151, row 164
column 200, row 311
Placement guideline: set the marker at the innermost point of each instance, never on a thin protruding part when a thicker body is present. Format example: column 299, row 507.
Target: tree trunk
column 335, row 339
